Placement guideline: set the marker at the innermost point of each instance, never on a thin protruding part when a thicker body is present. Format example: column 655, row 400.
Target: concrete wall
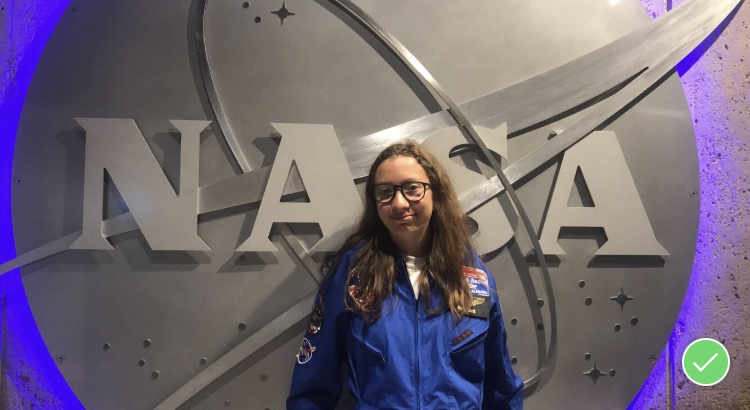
column 717, row 88
column 28, row 378
column 718, row 91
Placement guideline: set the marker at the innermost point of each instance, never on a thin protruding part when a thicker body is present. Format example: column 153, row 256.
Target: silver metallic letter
column 617, row 206
column 168, row 221
column 494, row 228
column 334, row 201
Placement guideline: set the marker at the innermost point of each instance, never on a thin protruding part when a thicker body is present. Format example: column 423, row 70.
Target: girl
column 407, row 304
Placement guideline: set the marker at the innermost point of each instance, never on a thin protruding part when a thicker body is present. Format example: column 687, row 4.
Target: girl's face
column 407, row 221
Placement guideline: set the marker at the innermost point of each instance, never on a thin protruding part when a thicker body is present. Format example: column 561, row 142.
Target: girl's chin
column 405, row 231
column 404, row 226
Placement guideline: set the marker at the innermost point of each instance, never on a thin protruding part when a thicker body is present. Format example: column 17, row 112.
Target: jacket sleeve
column 503, row 389
column 317, row 379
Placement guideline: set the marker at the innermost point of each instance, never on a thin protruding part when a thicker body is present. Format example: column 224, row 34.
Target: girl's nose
column 399, row 201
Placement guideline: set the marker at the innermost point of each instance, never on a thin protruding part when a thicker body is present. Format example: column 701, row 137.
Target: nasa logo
column 283, row 121
column 305, row 352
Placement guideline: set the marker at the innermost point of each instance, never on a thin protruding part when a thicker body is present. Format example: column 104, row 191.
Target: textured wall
column 28, row 378
column 715, row 306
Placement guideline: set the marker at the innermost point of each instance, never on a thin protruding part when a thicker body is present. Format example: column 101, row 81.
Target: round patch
column 305, row 352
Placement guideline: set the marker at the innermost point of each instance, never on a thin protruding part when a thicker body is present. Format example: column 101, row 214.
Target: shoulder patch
column 478, row 282
column 316, row 320
column 305, row 352
column 356, row 293
column 480, row 292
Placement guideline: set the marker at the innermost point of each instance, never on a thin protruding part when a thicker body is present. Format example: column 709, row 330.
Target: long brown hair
column 372, row 270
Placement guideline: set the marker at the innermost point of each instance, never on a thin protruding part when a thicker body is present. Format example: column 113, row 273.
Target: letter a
column 334, row 201
column 617, row 206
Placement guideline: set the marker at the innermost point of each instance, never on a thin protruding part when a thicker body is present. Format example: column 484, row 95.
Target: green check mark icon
column 705, row 362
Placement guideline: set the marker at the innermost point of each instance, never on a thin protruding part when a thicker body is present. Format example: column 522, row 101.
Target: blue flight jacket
column 407, row 359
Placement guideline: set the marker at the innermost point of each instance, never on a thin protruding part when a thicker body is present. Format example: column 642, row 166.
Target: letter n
column 168, row 221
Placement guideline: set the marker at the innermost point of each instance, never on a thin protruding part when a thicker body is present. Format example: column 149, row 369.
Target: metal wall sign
column 180, row 167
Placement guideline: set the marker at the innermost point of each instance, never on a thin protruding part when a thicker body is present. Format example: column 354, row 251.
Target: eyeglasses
column 412, row 191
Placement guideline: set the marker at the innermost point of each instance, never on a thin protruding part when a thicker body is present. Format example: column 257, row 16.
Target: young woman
column 407, row 304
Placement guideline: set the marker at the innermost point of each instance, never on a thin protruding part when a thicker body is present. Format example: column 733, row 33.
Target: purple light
column 38, row 380
column 705, row 97
column 32, row 379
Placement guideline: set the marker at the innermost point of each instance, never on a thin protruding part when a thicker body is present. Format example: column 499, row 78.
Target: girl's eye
column 411, row 188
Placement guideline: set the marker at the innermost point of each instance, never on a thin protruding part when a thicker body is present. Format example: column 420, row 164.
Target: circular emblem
column 175, row 183
column 305, row 352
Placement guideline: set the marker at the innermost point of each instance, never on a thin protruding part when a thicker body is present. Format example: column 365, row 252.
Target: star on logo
column 594, row 373
column 621, row 298
column 283, row 13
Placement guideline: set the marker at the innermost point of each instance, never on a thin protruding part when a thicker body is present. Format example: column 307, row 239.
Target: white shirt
column 414, row 267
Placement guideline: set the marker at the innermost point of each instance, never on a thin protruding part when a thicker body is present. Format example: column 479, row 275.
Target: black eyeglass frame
column 397, row 188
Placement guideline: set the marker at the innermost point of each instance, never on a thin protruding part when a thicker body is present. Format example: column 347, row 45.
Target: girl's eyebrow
column 407, row 180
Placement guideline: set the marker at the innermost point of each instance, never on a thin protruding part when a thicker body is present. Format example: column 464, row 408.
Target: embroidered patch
column 316, row 320
column 356, row 293
column 480, row 307
column 305, row 352
column 478, row 282
column 462, row 337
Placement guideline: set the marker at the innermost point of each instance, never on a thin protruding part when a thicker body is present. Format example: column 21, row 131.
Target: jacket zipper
column 416, row 333
column 416, row 351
